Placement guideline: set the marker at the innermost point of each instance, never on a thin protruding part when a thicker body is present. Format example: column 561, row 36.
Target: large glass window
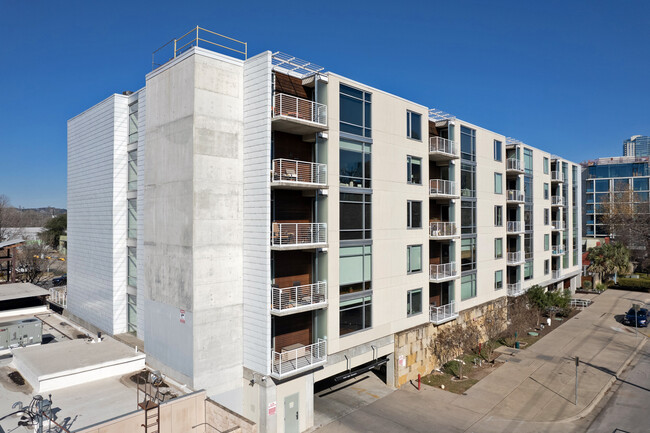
column 467, row 144
column 468, row 180
column 413, row 302
column 132, row 269
column 132, row 313
column 546, row 217
column 546, row 191
column 414, row 258
column 133, row 170
column 413, row 125
column 468, row 217
column 132, row 221
column 468, row 254
column 528, row 217
column 355, row 111
column 641, row 184
column 498, row 216
column 498, row 280
column 498, row 183
column 355, row 216
column 602, row 185
column 547, row 242
column 414, row 170
column 133, row 122
column 528, row 270
column 355, row 314
column 467, row 287
column 545, row 165
column 354, row 163
column 498, row 248
column 528, row 160
column 414, row 214
column 498, row 150
column 355, row 269
column 546, row 266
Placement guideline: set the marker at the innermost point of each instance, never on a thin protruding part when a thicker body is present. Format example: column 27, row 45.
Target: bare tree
column 493, row 327
column 33, row 261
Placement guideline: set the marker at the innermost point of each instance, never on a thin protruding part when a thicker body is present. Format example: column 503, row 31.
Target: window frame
column 498, row 216
column 498, row 241
column 498, row 150
column 366, row 111
column 409, row 214
column 409, row 169
column 366, row 221
column 498, row 282
column 498, row 183
column 409, row 269
column 410, row 115
column 409, row 302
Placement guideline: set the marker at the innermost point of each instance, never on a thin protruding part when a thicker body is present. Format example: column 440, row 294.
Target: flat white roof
column 20, row 290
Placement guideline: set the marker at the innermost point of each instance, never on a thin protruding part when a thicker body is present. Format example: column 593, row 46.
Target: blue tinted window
column 602, row 185
column 355, row 111
column 641, row 184
column 467, row 143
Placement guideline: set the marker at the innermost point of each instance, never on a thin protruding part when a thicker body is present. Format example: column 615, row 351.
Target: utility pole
column 577, row 362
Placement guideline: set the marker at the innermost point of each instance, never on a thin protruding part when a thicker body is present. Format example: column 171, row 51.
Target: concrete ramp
column 68, row 363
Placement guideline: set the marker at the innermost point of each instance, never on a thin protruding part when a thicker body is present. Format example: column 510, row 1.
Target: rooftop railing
column 292, row 107
column 288, row 170
column 295, row 360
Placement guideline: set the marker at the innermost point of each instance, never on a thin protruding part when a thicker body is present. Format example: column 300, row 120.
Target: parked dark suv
column 641, row 317
column 60, row 281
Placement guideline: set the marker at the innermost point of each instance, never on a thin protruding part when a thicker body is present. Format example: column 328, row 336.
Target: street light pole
column 577, row 362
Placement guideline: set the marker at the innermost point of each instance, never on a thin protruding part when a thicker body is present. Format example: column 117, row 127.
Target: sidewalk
column 533, row 390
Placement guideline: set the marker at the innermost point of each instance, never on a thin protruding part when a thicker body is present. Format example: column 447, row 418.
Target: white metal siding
column 142, row 128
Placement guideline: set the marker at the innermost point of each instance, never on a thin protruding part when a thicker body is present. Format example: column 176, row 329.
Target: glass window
column 413, row 125
column 528, row 245
column 468, row 254
column 414, row 170
column 132, row 222
column 355, row 269
column 498, row 150
column 528, row 217
column 528, row 161
column 132, row 313
column 468, row 180
column 467, row 143
column 467, row 287
column 546, row 217
column 545, row 165
column 414, row 258
column 467, row 217
column 414, row 214
column 528, row 189
column 354, row 163
column 133, row 170
column 498, row 248
column 498, row 216
column 546, row 191
column 355, row 314
column 498, row 183
column 602, row 185
column 641, row 184
column 528, row 270
column 133, row 123
column 546, row 266
column 498, row 280
column 413, row 302
column 355, row 111
column 355, row 216
column 547, row 241
column 132, row 270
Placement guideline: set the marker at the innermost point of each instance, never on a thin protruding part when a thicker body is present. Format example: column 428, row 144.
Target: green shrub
column 587, row 285
column 643, row 283
column 601, row 287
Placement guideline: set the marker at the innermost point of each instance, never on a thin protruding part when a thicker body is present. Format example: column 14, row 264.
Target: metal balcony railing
column 514, row 258
column 558, row 225
column 557, row 250
column 58, row 296
column 298, row 108
column 513, row 226
column 296, row 234
column 513, row 164
column 442, row 229
column 515, row 289
column 557, row 200
column 441, row 187
column 289, row 362
column 556, row 176
column 295, row 298
column 442, row 314
column 442, row 271
column 289, row 170
column 515, row 195
column 443, row 146
column 556, row 274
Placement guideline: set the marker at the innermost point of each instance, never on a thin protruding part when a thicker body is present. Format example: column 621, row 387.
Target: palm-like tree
column 608, row 259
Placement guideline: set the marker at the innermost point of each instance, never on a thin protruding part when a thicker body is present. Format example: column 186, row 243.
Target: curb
column 606, row 388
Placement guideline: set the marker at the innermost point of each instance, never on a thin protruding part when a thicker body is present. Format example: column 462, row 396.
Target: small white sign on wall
column 401, row 361
column 182, row 316
column 272, row 407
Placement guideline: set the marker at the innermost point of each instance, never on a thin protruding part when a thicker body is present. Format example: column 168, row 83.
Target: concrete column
column 391, row 379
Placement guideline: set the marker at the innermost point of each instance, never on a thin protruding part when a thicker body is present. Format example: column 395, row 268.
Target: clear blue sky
column 572, row 77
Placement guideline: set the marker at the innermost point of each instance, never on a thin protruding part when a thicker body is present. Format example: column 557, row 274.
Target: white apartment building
column 263, row 225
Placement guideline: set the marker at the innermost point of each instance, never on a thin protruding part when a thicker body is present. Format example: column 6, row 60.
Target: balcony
column 557, row 250
column 441, row 188
column 442, row 149
column 556, row 275
column 293, row 361
column 513, row 227
column 556, row 176
column 557, row 200
column 298, row 116
column 515, row 289
column 442, row 272
column 514, row 196
column 292, row 236
column 558, row 225
column 514, row 166
column 514, row 259
column 442, row 314
column 296, row 299
column 443, row 230
column 291, row 174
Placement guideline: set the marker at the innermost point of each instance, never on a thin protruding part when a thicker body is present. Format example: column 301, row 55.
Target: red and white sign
column 272, row 407
column 182, row 316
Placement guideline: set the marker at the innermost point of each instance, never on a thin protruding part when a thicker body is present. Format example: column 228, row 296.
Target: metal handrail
column 514, row 289
column 289, row 170
column 513, row 164
column 556, row 274
column 442, row 229
column 442, row 313
column 59, row 296
column 291, row 361
column 442, row 187
column 444, row 270
column 516, row 257
column 557, row 250
column 513, row 226
column 557, row 200
column 294, row 297
column 298, row 108
column 515, row 195
column 288, row 234
column 556, row 175
column 442, row 145
column 580, row 303
column 558, row 225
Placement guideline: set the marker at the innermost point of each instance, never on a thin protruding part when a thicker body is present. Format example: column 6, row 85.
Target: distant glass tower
column 637, row 145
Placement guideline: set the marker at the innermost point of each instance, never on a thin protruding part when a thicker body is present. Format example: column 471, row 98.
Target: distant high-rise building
column 637, row 145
